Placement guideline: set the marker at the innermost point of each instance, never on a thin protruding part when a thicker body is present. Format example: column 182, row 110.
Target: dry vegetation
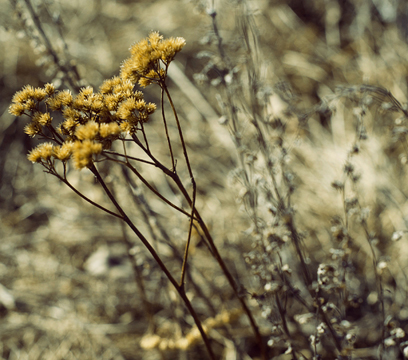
column 294, row 118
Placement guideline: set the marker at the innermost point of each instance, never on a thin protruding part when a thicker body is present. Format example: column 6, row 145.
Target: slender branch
column 184, row 266
column 128, row 157
column 183, row 144
column 157, row 258
column 144, row 181
column 144, row 135
column 296, row 241
column 167, row 131
column 192, row 203
column 224, row 268
column 66, row 182
column 138, row 277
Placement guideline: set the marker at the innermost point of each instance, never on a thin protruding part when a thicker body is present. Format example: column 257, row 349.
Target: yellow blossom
column 97, row 105
column 63, row 152
column 87, row 91
column 106, row 130
column 107, row 86
column 87, row 131
column 170, row 47
column 83, row 152
column 29, row 105
column 72, row 114
column 125, row 126
column 45, row 119
column 23, row 95
column 43, row 151
column 126, row 108
column 49, row 89
column 112, row 101
column 39, row 94
column 32, row 129
column 65, row 97
column 68, row 127
column 143, row 66
column 16, row 109
column 150, row 108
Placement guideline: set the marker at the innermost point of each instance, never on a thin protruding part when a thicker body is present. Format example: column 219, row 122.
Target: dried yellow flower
column 112, row 102
column 125, row 126
column 68, row 127
column 126, row 108
column 45, row 119
column 42, row 152
column 83, row 152
column 32, row 129
column 106, row 130
column 29, row 105
column 88, row 131
column 16, row 109
column 23, row 95
column 150, row 108
column 49, row 89
column 170, row 47
column 143, row 66
column 39, row 94
column 65, row 97
column 72, row 114
column 108, row 85
column 63, row 152
column 87, row 91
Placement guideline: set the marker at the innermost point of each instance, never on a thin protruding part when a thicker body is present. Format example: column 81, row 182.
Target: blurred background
column 66, row 286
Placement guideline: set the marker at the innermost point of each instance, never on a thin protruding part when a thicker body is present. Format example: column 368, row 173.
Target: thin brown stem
column 173, row 164
column 224, row 268
column 66, row 182
column 184, row 266
column 205, row 230
column 144, row 135
column 159, row 261
column 128, row 157
column 190, row 171
column 138, row 277
column 144, row 181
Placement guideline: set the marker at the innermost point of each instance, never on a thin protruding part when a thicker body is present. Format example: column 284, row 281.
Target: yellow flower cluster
column 91, row 121
column 143, row 66
column 151, row 341
column 45, row 151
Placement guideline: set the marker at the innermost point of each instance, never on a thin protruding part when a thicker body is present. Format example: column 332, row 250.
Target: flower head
column 143, row 66
column 42, row 152
column 83, row 152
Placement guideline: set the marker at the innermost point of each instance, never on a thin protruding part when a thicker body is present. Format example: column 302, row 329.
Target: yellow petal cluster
column 42, row 152
column 143, row 66
column 83, row 152
column 93, row 119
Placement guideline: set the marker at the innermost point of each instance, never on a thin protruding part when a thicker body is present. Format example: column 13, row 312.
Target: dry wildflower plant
column 92, row 122
column 321, row 283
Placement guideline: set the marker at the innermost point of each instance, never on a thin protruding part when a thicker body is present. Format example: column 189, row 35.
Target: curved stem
column 203, row 226
column 184, row 266
column 167, row 131
column 66, row 182
column 128, row 157
column 159, row 261
column 144, row 181
column 192, row 203
column 144, row 135
column 224, row 268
